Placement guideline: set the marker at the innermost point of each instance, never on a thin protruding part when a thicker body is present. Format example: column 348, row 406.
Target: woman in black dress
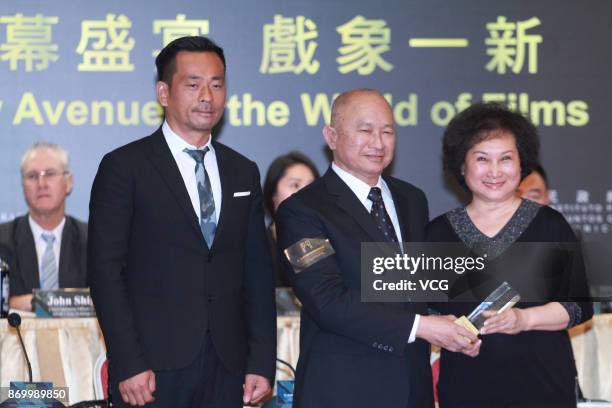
column 526, row 357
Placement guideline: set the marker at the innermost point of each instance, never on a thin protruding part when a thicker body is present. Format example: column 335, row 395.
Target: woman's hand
column 512, row 321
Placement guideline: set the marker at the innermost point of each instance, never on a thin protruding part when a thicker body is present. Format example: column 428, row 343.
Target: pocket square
column 242, row 193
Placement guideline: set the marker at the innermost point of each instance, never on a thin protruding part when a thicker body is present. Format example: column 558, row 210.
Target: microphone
column 286, row 364
column 14, row 320
column 284, row 390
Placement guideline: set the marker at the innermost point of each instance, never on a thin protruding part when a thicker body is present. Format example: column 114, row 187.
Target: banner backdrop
column 82, row 74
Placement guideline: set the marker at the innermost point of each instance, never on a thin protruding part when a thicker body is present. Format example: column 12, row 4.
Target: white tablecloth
column 592, row 344
column 64, row 351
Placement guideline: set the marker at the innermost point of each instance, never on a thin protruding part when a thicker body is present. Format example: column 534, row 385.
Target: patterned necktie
column 380, row 215
column 208, row 219
column 49, row 278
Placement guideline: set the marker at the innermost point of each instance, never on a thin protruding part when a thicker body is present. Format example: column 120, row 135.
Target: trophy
column 500, row 300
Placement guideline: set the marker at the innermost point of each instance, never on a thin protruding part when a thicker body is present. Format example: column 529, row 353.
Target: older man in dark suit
column 45, row 248
column 181, row 274
column 356, row 354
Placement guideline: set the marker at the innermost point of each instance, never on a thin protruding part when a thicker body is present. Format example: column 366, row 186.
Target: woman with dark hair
column 286, row 175
column 526, row 358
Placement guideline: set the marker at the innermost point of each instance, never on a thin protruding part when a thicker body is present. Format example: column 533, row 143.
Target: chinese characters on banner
column 29, row 40
column 289, row 44
column 510, row 44
column 586, row 213
column 179, row 27
column 363, row 43
column 105, row 44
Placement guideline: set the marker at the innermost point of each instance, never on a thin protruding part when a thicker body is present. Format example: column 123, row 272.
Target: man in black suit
column 181, row 274
column 45, row 248
column 355, row 354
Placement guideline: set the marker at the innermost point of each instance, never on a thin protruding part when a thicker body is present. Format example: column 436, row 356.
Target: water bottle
column 4, row 288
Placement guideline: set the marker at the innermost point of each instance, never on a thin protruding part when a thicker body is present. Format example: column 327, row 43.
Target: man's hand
column 139, row 389
column 256, row 388
column 443, row 332
column 512, row 321
column 21, row 302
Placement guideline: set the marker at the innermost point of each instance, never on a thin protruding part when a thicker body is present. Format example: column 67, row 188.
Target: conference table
column 64, row 351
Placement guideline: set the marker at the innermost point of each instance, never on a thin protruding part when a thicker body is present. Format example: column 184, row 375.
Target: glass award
column 500, row 300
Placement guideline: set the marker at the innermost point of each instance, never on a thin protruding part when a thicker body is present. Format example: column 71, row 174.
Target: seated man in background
column 534, row 187
column 46, row 248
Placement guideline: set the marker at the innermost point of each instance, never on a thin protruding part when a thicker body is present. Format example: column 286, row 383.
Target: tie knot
column 48, row 237
column 197, row 155
column 375, row 195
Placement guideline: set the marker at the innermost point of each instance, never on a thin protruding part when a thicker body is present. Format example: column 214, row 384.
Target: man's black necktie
column 380, row 215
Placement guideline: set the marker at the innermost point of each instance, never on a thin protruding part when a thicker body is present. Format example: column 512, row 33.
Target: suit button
column 380, row 346
column 390, row 349
column 386, row 348
column 374, row 344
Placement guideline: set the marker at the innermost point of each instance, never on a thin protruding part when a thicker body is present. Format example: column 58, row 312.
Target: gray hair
column 59, row 151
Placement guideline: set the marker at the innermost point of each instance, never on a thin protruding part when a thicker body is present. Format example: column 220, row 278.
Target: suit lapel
column 65, row 254
column 347, row 200
column 402, row 209
column 226, row 190
column 26, row 253
column 69, row 252
column 162, row 159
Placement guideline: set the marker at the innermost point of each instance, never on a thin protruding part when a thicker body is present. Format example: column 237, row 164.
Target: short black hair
column 166, row 60
column 540, row 170
column 277, row 171
column 478, row 123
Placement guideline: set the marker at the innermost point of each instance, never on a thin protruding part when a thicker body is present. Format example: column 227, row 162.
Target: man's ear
column 69, row 183
column 163, row 93
column 331, row 137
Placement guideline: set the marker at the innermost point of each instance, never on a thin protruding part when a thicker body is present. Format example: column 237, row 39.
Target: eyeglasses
column 51, row 175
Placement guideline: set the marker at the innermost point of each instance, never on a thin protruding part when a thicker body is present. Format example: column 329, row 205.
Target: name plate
column 67, row 303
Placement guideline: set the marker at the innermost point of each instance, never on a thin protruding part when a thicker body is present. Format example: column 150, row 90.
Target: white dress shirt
column 186, row 166
column 41, row 244
column 361, row 189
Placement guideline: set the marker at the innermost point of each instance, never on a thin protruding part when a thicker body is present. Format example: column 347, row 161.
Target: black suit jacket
column 353, row 354
column 157, row 287
column 17, row 239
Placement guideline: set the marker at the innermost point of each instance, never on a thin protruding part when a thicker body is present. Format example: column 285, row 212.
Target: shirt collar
column 37, row 230
column 359, row 187
column 177, row 144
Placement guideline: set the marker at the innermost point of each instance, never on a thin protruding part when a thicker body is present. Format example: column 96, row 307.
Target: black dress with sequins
column 529, row 369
